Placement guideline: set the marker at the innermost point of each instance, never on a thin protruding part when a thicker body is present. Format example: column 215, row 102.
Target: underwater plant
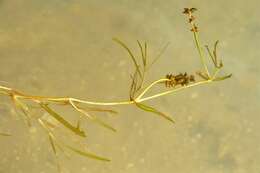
column 138, row 94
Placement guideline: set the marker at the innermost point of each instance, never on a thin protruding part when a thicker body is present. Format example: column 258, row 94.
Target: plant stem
column 139, row 99
column 150, row 86
column 173, row 90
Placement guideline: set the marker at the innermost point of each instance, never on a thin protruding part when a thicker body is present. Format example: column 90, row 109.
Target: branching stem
column 72, row 100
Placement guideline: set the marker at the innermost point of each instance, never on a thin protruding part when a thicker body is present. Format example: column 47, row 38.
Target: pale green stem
column 138, row 99
column 99, row 103
column 80, row 110
column 150, row 86
column 173, row 90
column 68, row 99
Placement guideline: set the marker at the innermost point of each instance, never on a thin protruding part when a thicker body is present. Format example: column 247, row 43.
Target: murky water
column 65, row 48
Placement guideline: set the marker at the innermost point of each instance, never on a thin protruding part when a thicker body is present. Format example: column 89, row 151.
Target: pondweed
column 138, row 93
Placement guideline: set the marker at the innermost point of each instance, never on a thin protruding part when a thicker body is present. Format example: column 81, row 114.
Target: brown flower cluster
column 179, row 79
column 189, row 12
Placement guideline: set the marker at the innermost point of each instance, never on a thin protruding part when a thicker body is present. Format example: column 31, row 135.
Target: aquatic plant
column 138, row 94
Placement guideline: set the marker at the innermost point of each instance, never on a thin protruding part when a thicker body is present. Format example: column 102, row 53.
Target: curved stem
column 173, row 90
column 150, row 86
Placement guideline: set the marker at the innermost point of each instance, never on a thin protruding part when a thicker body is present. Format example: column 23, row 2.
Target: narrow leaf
column 96, row 120
column 219, row 64
column 52, row 144
column 99, row 110
column 222, row 78
column 87, row 154
column 24, row 109
column 215, row 50
column 62, row 120
column 142, row 53
column 130, row 53
column 102, row 123
column 153, row 110
column 50, row 134
column 133, row 87
column 213, row 59
column 160, row 54
column 202, row 75
column 55, row 152
column 145, row 50
column 49, row 124
column 5, row 134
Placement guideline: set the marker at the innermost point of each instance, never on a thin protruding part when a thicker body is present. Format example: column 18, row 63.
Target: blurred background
column 65, row 48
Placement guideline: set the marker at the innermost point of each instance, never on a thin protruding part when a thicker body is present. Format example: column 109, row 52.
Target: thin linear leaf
column 202, row 75
column 160, row 54
column 142, row 53
column 52, row 144
column 220, row 64
column 153, row 110
column 5, row 134
column 87, row 154
column 133, row 87
column 49, row 132
column 222, row 78
column 145, row 50
column 130, row 53
column 211, row 56
column 96, row 120
column 48, row 124
column 102, row 123
column 55, row 152
column 99, row 110
column 62, row 120
column 24, row 109
column 215, row 50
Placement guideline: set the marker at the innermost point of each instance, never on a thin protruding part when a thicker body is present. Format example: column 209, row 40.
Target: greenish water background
column 65, row 48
